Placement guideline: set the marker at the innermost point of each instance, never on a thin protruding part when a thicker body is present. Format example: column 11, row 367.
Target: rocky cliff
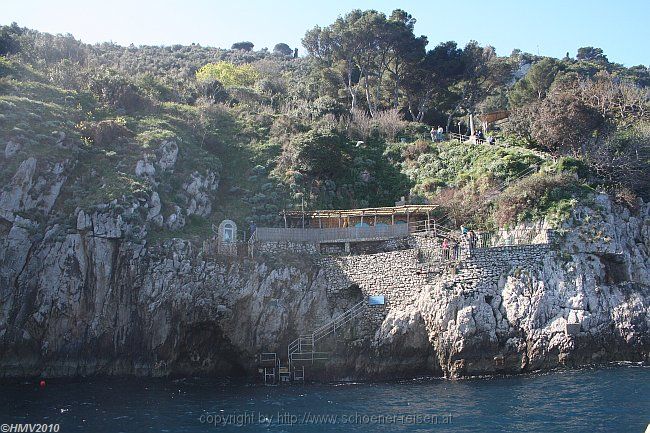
column 584, row 300
column 93, row 295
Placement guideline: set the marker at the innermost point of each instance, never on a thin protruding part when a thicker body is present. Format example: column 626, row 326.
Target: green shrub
column 228, row 74
column 116, row 91
column 536, row 197
column 569, row 164
column 5, row 66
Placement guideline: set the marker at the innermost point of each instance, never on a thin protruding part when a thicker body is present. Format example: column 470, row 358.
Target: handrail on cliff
column 482, row 240
column 251, row 244
column 464, row 138
column 340, row 320
column 303, row 347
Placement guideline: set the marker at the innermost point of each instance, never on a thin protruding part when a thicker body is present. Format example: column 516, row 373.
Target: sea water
column 610, row 399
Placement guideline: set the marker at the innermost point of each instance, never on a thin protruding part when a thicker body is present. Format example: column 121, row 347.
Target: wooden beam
column 385, row 211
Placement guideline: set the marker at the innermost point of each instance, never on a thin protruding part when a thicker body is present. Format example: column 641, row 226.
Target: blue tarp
column 376, row 300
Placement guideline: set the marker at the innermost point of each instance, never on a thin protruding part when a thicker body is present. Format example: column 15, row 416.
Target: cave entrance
column 615, row 268
column 353, row 291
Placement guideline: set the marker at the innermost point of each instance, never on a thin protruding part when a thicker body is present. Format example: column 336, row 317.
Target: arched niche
column 228, row 231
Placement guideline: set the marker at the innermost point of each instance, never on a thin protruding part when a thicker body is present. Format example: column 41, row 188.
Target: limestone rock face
column 406, row 326
column 511, row 309
column 176, row 220
column 199, row 188
column 84, row 221
column 101, row 306
column 145, row 168
column 11, row 149
column 31, row 189
column 16, row 198
column 169, row 154
column 155, row 206
column 96, row 298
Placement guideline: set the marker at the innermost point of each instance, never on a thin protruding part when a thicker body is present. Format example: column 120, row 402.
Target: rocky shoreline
column 87, row 302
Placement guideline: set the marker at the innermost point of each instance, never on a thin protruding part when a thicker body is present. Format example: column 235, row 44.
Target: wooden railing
column 457, row 251
column 502, row 238
column 433, row 227
column 346, row 234
column 272, row 234
column 453, row 252
column 463, row 138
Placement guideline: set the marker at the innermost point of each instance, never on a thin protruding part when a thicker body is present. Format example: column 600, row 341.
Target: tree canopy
column 591, row 54
column 282, row 49
column 368, row 78
column 228, row 74
column 244, row 45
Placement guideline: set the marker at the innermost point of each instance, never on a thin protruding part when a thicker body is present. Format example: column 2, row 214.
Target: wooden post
column 392, row 218
column 284, row 214
column 320, row 222
column 339, row 219
column 428, row 221
column 362, row 212
column 471, row 124
column 375, row 224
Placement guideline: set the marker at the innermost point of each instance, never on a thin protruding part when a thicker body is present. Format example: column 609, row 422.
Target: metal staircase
column 303, row 348
column 269, row 364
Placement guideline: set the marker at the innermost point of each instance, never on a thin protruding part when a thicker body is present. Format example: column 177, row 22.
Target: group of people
column 437, row 134
column 480, row 136
column 450, row 251
column 470, row 236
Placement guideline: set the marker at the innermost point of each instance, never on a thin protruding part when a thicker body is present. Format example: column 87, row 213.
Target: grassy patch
column 454, row 164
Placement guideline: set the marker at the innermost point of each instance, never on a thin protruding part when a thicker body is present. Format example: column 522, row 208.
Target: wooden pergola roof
column 494, row 116
column 370, row 211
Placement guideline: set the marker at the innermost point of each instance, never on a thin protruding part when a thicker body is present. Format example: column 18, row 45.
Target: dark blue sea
column 610, row 399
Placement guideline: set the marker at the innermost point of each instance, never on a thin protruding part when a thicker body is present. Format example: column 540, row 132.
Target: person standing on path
column 445, row 249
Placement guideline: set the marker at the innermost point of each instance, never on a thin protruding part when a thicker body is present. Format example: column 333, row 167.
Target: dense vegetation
column 345, row 126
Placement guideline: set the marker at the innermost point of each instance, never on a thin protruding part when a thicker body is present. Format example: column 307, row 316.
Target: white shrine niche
column 228, row 232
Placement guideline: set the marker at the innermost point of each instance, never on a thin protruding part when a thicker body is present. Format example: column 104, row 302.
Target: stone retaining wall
column 285, row 246
column 401, row 275
column 399, row 269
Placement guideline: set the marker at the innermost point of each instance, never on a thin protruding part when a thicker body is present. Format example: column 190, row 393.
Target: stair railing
column 303, row 347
